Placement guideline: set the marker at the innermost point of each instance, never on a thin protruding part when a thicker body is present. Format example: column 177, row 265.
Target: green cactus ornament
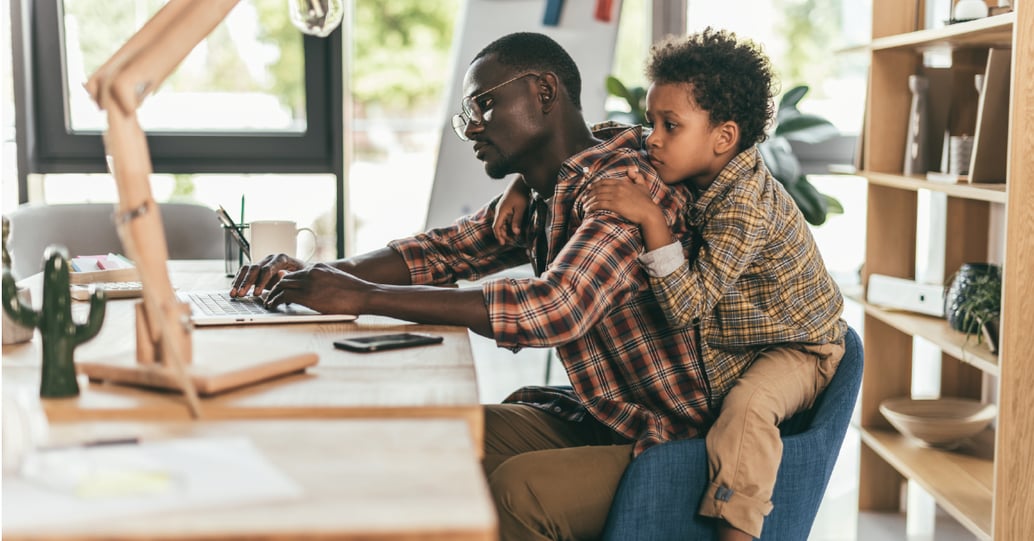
column 59, row 332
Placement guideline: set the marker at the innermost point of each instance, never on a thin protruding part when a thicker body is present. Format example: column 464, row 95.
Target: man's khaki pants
column 551, row 478
column 743, row 446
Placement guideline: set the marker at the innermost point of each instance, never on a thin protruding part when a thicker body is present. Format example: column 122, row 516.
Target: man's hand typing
column 263, row 275
column 321, row 287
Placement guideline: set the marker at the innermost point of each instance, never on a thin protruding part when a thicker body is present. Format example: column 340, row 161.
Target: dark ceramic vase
column 962, row 287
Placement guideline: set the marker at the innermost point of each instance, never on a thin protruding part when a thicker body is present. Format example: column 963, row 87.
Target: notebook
column 216, row 307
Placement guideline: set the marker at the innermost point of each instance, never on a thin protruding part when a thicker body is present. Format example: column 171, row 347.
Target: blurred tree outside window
column 399, row 69
column 248, row 74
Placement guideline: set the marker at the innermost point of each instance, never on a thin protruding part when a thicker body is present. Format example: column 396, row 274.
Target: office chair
column 661, row 490
column 191, row 232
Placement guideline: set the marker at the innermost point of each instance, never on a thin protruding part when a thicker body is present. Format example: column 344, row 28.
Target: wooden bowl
column 942, row 422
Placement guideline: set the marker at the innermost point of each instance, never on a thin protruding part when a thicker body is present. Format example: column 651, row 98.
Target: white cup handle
column 314, row 241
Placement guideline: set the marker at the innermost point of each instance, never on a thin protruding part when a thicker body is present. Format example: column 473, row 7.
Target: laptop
column 216, row 307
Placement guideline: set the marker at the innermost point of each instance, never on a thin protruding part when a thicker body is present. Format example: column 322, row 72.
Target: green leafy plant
column 635, row 97
column 973, row 300
column 791, row 125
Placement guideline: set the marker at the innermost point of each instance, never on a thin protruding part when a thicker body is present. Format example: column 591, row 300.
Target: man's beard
column 500, row 168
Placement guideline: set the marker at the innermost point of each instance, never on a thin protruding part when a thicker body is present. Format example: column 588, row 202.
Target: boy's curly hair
column 731, row 79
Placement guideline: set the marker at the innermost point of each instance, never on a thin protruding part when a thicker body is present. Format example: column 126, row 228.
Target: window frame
column 46, row 143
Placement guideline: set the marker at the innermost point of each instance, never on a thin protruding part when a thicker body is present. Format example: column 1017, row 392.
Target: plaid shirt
column 628, row 368
column 755, row 276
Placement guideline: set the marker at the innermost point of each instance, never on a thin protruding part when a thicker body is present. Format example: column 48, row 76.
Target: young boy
column 754, row 285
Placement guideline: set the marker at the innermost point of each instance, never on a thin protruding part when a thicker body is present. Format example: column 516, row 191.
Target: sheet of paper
column 98, row 483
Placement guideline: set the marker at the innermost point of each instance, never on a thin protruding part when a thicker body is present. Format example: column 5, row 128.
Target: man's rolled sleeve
column 512, row 327
column 414, row 254
column 595, row 271
column 465, row 250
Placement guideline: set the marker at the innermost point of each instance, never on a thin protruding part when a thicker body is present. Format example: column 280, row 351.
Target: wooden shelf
column 994, row 193
column 982, row 222
column 938, row 332
column 987, row 32
column 961, row 480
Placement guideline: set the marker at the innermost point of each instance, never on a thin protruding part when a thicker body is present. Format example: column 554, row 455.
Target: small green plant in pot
column 973, row 301
column 791, row 125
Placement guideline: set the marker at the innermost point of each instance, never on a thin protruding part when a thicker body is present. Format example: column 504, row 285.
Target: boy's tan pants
column 743, row 446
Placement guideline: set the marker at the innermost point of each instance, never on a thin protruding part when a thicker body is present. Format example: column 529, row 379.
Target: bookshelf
column 985, row 485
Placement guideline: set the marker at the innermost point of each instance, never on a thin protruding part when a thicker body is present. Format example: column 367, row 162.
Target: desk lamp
column 119, row 87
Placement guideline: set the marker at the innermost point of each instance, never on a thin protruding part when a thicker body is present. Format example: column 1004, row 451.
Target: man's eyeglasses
column 472, row 111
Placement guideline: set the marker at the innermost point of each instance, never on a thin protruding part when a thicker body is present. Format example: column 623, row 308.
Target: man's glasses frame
column 470, row 111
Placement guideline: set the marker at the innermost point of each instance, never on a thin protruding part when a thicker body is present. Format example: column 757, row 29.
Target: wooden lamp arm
column 119, row 87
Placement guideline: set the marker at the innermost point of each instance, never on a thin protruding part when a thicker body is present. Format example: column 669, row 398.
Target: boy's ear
column 548, row 91
column 727, row 137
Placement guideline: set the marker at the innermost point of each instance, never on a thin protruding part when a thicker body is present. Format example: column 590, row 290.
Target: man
column 553, row 458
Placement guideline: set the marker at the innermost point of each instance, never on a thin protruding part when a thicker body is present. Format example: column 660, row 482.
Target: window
column 801, row 37
column 252, row 62
column 399, row 77
column 255, row 97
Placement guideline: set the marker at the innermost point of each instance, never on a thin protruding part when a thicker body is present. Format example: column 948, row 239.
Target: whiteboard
column 461, row 185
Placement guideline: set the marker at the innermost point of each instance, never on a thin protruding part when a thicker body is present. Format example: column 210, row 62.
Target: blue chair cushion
column 660, row 492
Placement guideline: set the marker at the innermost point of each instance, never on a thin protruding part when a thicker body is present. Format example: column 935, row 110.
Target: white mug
column 275, row 237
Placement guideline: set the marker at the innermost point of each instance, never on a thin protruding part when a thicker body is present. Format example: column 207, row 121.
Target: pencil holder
column 233, row 256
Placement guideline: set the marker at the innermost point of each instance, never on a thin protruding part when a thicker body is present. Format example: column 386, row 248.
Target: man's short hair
column 732, row 79
column 530, row 51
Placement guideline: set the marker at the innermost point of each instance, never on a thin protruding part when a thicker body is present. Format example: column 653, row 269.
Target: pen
column 131, row 440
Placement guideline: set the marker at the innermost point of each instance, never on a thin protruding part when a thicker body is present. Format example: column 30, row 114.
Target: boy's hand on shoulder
column 509, row 212
column 628, row 197
column 505, row 226
column 636, row 176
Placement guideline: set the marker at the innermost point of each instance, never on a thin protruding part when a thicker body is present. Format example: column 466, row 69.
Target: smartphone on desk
column 381, row 342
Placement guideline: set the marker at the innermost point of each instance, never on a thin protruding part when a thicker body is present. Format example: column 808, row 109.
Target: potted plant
column 635, row 97
column 791, row 125
column 973, row 301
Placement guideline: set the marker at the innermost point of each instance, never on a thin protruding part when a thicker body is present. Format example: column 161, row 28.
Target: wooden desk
column 433, row 381
column 362, row 479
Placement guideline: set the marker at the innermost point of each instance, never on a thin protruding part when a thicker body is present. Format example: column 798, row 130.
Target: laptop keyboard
column 221, row 304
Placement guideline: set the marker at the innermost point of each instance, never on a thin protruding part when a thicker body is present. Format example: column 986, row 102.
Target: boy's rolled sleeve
column 664, row 260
